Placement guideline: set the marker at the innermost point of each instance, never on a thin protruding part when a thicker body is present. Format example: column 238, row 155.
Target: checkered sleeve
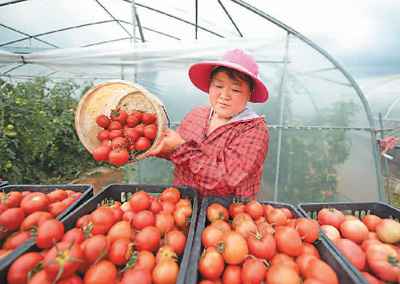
column 228, row 168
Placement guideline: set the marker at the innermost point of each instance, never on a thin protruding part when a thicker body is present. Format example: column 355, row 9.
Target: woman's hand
column 170, row 141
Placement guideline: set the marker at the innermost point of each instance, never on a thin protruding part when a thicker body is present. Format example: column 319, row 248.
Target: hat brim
column 199, row 74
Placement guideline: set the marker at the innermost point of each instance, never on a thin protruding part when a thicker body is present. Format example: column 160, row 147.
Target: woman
column 220, row 149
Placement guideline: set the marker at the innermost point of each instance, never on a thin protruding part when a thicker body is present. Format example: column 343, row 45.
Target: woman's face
column 227, row 96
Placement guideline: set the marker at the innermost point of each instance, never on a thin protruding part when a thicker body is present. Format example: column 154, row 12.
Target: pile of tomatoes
column 138, row 241
column 369, row 243
column 124, row 134
column 22, row 212
column 257, row 243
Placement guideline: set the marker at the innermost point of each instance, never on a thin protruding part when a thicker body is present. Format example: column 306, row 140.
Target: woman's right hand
column 170, row 141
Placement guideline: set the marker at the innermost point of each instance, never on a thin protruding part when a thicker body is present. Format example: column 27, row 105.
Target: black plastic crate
column 358, row 209
column 119, row 192
column 85, row 189
column 345, row 275
column 3, row 183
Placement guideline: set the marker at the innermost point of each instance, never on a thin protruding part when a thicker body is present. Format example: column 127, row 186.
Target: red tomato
column 165, row 272
column 383, row 260
column 120, row 251
column 103, row 272
column 49, row 232
column 155, row 206
column 371, row 221
column 138, row 115
column 235, row 248
column 139, row 276
column 132, row 135
column 211, row 264
column 148, row 239
column 74, row 279
column 40, row 278
column 102, row 219
column 321, row 271
column 102, row 121
column 331, row 232
column 388, row 231
column 120, row 230
column 170, row 194
column 35, row 201
column 58, row 207
column 150, row 131
column 254, row 209
column 114, row 125
column 303, row 262
column 16, row 239
column 253, row 271
column 277, row 217
column 165, row 253
column 62, row 260
column 352, row 251
column 132, row 120
column 211, row 236
column 236, row 208
column 74, row 235
column 288, row 241
column 181, row 217
column 164, row 222
column 101, row 153
column 83, row 221
column 143, row 219
column 278, row 274
column 168, row 207
column 140, row 129
column 330, row 216
column 57, row 195
column 308, row 229
column 140, row 201
column 118, row 157
column 11, row 199
column 286, row 260
column 18, row 272
column 217, row 212
column 95, row 248
column 12, row 218
column 145, row 260
column 310, row 249
column 119, row 115
column 262, row 246
column 354, row 230
column 115, row 133
column 176, row 240
column 232, row 275
column 149, row 118
column 371, row 279
column 119, row 142
column 222, row 226
column 103, row 135
column 142, row 144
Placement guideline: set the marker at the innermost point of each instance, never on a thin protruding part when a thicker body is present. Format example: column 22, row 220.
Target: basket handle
column 166, row 115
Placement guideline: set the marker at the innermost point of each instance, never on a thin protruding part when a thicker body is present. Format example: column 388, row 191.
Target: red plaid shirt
column 227, row 162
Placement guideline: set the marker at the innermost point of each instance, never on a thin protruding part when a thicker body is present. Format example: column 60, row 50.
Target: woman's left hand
column 170, row 141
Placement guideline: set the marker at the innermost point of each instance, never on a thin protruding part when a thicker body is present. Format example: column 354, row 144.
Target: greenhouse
column 82, row 201
column 322, row 136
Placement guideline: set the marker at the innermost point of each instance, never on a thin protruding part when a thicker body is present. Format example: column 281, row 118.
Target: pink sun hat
column 236, row 59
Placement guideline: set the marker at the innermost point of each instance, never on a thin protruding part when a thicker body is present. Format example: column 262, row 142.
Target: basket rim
column 155, row 102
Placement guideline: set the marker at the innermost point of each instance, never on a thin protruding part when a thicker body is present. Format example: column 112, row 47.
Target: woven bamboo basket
column 106, row 96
